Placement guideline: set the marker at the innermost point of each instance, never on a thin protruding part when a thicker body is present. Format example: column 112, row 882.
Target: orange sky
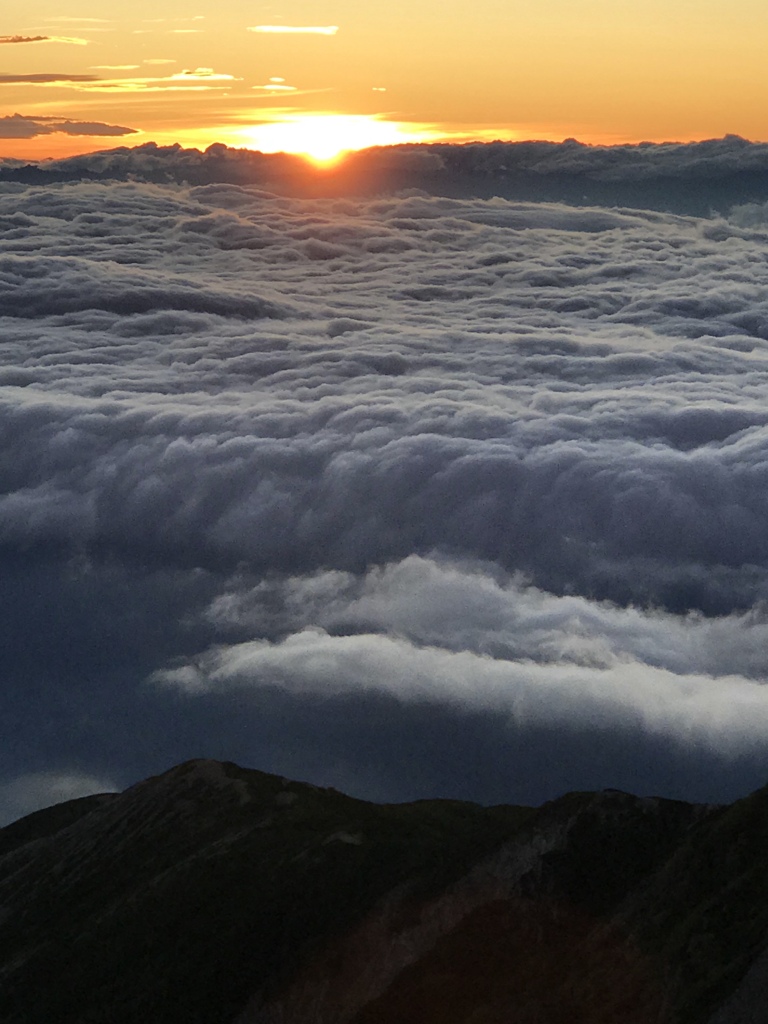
column 598, row 70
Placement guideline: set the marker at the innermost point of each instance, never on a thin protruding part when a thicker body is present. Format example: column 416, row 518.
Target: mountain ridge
column 213, row 893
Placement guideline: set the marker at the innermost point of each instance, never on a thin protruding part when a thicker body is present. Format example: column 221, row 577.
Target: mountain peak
column 212, row 892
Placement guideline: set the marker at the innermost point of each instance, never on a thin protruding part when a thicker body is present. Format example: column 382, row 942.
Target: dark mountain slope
column 49, row 821
column 218, row 894
column 177, row 900
column 706, row 911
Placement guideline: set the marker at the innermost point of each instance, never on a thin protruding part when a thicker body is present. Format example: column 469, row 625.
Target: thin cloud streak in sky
column 195, row 80
column 71, row 40
column 24, row 39
column 275, row 87
column 50, row 78
column 15, row 126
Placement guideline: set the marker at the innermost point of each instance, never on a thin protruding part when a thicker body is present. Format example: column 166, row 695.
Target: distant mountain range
column 213, row 894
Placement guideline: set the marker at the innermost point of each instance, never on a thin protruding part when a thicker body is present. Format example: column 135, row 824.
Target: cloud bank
column 408, row 494
column 698, row 178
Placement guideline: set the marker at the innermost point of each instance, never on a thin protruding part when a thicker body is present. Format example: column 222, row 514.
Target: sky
column 408, row 494
column 259, row 75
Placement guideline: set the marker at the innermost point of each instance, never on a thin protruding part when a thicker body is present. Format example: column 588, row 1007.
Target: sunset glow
column 324, row 138
column 327, row 80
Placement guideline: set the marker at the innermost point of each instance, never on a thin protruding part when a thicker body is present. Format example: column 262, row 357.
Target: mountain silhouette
column 214, row 894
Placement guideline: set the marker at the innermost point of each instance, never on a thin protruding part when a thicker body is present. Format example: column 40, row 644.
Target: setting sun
column 324, row 138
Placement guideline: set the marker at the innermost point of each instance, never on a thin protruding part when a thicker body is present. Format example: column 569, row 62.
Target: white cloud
column 275, row 87
column 463, row 607
column 727, row 715
column 458, row 635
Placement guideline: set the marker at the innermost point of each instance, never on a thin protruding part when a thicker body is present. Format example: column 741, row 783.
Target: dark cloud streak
column 24, row 39
column 47, row 78
column 16, row 126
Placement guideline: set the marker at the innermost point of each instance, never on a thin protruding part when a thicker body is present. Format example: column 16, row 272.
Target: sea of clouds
column 406, row 494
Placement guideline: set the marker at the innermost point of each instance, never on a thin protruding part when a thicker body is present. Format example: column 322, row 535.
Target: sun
column 325, row 138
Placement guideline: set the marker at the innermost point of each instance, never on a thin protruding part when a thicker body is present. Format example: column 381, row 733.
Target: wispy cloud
column 275, row 87
column 204, row 74
column 50, row 78
column 195, row 80
column 24, row 39
column 72, row 40
column 312, row 30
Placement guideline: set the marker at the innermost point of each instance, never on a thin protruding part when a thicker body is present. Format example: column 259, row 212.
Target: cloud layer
column 696, row 178
column 409, row 494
